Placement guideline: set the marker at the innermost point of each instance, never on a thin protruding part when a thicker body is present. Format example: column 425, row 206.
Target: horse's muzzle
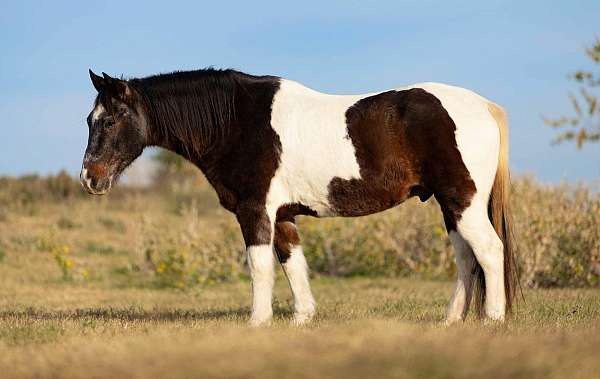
column 93, row 184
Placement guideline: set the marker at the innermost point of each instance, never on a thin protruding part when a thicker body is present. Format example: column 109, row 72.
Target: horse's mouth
column 94, row 186
column 92, row 191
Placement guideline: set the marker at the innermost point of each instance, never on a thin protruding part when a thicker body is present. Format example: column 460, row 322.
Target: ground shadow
column 139, row 314
column 127, row 314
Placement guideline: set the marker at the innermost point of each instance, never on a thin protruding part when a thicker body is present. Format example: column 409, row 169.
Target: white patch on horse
column 476, row 228
column 462, row 291
column 98, row 112
column 87, row 182
column 296, row 270
column 315, row 147
column 262, row 271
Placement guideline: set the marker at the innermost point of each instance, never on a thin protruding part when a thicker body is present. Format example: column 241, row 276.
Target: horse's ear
column 117, row 88
column 97, row 81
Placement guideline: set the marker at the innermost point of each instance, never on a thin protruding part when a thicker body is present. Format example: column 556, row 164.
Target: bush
column 27, row 190
column 402, row 241
column 186, row 258
column 557, row 229
column 558, row 234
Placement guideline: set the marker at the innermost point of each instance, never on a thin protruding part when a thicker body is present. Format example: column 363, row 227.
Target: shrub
column 187, row 259
column 405, row 240
column 558, row 234
column 557, row 230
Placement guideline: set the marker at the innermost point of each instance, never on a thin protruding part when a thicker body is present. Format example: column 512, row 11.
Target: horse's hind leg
column 475, row 227
column 461, row 298
column 291, row 257
column 475, row 242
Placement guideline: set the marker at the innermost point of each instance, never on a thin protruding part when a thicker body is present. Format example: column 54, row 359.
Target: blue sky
column 517, row 53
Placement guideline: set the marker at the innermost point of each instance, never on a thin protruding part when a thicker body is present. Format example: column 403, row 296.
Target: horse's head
column 117, row 133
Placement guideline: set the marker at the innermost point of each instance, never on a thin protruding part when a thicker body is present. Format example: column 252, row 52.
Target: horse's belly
column 339, row 197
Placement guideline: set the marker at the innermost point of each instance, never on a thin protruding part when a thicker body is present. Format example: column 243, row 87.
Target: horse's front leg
column 258, row 232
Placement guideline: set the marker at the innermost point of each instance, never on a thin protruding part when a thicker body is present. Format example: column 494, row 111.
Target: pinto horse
column 274, row 149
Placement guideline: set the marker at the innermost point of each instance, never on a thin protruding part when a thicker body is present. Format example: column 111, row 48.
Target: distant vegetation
column 176, row 235
column 584, row 125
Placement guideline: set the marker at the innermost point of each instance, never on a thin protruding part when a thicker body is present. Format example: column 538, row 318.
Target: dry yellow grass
column 82, row 295
column 364, row 328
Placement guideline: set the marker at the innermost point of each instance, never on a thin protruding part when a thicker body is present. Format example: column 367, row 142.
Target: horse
column 273, row 150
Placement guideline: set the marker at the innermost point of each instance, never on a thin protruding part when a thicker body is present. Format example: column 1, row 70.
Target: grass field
column 143, row 284
column 364, row 328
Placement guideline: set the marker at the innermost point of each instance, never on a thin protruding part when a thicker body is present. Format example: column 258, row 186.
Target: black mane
column 190, row 110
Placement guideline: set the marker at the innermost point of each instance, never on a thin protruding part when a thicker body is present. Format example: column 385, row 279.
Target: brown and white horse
column 274, row 149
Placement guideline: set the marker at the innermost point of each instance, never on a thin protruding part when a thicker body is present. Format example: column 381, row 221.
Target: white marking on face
column 85, row 181
column 98, row 112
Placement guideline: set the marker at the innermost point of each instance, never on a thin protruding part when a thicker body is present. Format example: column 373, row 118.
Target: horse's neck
column 251, row 114
column 188, row 149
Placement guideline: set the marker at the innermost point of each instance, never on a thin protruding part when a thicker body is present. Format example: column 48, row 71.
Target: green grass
column 101, row 249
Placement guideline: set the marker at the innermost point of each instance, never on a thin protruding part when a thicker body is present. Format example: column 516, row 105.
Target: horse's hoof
column 256, row 322
column 301, row 319
column 493, row 321
column 452, row 321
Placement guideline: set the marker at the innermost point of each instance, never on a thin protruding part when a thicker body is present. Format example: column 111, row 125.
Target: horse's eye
column 109, row 123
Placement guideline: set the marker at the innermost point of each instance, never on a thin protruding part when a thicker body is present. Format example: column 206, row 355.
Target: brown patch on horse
column 287, row 212
column 286, row 237
column 405, row 146
column 220, row 120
